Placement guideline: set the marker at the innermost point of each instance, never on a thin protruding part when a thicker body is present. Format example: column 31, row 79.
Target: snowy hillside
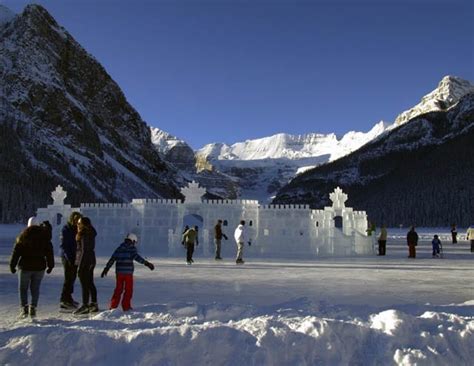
column 359, row 311
column 421, row 172
column 263, row 166
column 65, row 121
column 449, row 91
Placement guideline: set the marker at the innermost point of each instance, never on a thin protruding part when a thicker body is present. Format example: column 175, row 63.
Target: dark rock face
column 63, row 120
column 420, row 173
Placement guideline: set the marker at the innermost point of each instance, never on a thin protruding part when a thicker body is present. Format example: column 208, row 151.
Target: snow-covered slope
column 63, row 120
column 264, row 165
column 449, row 91
column 421, row 172
column 293, row 147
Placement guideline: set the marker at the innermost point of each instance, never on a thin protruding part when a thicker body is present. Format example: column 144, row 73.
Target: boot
column 32, row 311
column 84, row 309
column 23, row 312
column 93, row 307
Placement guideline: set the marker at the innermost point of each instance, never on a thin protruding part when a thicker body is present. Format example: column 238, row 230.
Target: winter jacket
column 240, row 234
column 412, row 238
column 68, row 243
column 190, row 236
column 85, row 253
column 33, row 250
column 470, row 233
column 218, row 234
column 123, row 257
column 436, row 243
column 383, row 234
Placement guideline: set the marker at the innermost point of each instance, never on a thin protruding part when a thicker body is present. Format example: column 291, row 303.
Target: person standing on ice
column 85, row 262
column 32, row 253
column 470, row 236
column 218, row 235
column 190, row 237
column 436, row 244
column 241, row 236
column 68, row 257
column 123, row 257
column 412, row 242
column 382, row 240
column 454, row 233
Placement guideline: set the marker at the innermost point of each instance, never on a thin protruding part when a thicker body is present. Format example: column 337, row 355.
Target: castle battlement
column 276, row 229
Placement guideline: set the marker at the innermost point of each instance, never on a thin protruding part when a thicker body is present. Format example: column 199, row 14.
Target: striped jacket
column 123, row 257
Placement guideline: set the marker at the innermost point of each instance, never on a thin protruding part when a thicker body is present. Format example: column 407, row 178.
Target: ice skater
column 382, row 240
column 412, row 242
column 241, row 236
column 470, row 236
column 190, row 237
column 218, row 235
column 436, row 244
column 32, row 253
column 123, row 257
column 68, row 258
column 85, row 262
column 454, row 234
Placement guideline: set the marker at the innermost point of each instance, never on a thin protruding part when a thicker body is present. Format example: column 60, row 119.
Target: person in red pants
column 123, row 257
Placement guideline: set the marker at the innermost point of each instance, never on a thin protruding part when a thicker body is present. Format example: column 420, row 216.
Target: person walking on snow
column 382, row 240
column 218, row 235
column 123, row 257
column 412, row 242
column 436, row 244
column 189, row 239
column 32, row 253
column 68, row 258
column 85, row 262
column 240, row 236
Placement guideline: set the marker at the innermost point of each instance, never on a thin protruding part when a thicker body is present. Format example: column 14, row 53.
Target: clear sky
column 227, row 71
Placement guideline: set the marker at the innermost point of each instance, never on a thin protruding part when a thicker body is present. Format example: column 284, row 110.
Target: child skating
column 123, row 257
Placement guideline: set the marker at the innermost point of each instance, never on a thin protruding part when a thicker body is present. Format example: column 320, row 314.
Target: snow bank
column 218, row 334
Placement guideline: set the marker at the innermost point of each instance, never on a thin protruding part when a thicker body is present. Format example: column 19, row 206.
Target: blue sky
column 227, row 71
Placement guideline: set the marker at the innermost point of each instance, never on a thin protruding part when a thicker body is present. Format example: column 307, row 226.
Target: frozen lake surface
column 362, row 310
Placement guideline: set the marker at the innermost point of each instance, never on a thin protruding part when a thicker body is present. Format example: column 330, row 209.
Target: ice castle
column 286, row 231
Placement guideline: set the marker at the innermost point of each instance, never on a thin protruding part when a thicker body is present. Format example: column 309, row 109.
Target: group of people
column 412, row 241
column 190, row 239
column 33, row 256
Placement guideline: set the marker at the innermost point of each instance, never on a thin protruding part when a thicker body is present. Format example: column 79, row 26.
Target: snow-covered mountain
column 262, row 166
column 449, row 91
column 293, row 147
column 63, row 120
column 421, row 172
column 180, row 155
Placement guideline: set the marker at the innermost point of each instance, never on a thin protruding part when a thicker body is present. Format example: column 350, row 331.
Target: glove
column 149, row 265
column 224, row 236
column 104, row 273
column 48, row 271
column 250, row 243
column 12, row 269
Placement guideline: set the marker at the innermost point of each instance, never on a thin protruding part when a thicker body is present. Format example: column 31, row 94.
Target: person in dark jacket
column 436, row 244
column 85, row 262
column 123, row 257
column 218, row 235
column 68, row 257
column 412, row 242
column 32, row 253
column 454, row 234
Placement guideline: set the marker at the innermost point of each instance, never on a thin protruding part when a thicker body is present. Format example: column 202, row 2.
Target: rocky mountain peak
column 449, row 91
